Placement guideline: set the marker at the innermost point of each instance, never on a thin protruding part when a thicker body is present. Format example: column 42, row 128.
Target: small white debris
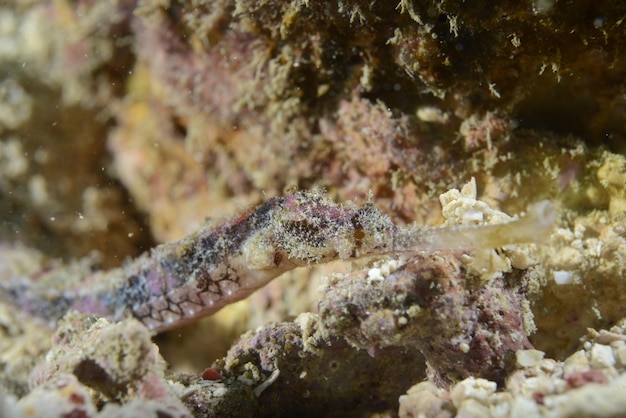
column 563, row 277
column 374, row 275
column 602, row 356
column 37, row 189
column 529, row 358
column 472, row 388
column 432, row 114
column 473, row 215
column 259, row 389
column 524, row 407
column 378, row 273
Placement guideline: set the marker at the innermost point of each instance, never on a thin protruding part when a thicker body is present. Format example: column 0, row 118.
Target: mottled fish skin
column 199, row 275
column 178, row 282
column 181, row 281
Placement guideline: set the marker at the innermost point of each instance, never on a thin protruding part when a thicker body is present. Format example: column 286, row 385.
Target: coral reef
column 587, row 383
column 280, row 367
column 92, row 368
column 128, row 124
column 426, row 304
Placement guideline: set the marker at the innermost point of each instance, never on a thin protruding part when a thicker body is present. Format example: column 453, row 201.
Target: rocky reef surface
column 130, row 123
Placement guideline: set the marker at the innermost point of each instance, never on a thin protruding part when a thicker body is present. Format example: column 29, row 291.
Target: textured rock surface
column 127, row 123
